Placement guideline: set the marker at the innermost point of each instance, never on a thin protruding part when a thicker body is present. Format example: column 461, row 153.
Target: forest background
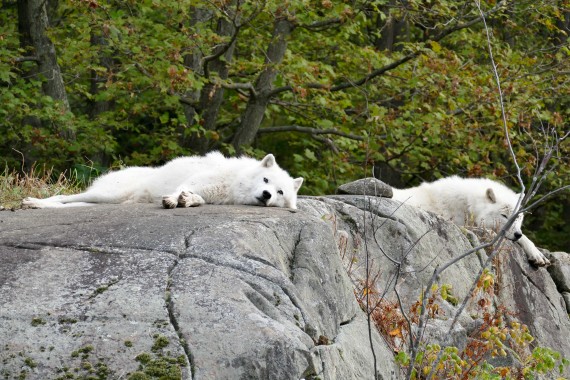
column 337, row 90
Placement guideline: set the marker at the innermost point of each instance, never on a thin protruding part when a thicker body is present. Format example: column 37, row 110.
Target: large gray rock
column 234, row 292
column 405, row 245
column 203, row 293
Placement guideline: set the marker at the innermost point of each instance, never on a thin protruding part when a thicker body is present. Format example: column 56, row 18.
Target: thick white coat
column 190, row 181
column 477, row 202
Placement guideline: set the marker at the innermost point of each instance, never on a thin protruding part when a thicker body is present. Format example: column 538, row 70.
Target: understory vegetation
column 497, row 344
column 336, row 90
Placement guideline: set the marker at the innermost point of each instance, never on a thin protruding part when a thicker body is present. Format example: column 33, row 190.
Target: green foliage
column 141, row 79
column 446, row 294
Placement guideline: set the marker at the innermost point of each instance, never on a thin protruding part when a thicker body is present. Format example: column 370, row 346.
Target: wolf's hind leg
column 87, row 198
column 48, row 203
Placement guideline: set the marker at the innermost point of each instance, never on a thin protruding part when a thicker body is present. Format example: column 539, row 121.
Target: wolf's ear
column 297, row 182
column 268, row 161
column 491, row 195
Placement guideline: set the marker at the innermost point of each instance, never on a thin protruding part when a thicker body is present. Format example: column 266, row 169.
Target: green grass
column 38, row 183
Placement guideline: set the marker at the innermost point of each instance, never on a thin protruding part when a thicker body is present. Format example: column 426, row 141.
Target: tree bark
column 393, row 31
column 212, row 95
column 32, row 25
column 253, row 115
column 192, row 61
column 98, row 41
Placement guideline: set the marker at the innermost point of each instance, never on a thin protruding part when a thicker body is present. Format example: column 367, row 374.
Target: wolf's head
column 269, row 185
column 498, row 205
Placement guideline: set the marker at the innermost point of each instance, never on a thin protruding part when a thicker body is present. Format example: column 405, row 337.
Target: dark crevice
column 102, row 289
column 348, row 321
column 292, row 262
column 188, row 238
column 174, row 322
column 349, row 220
column 372, row 205
column 259, row 260
column 107, row 249
column 261, row 303
column 309, row 328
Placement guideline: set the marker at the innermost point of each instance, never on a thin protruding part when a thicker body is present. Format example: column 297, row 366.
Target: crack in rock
column 93, row 249
column 294, row 254
column 174, row 322
column 102, row 289
column 348, row 321
column 260, row 260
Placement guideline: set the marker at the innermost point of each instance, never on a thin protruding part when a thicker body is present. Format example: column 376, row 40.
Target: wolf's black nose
column 266, row 194
column 518, row 235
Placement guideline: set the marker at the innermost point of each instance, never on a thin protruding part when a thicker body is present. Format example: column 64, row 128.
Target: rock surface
column 234, row 292
column 367, row 186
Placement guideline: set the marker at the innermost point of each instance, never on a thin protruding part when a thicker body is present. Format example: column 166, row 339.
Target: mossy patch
column 88, row 368
column 37, row 321
column 159, row 364
column 160, row 342
column 30, row 363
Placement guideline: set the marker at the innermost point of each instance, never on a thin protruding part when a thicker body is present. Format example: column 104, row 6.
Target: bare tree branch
column 27, row 59
column 322, row 25
column 500, row 94
column 220, row 51
column 313, row 131
column 240, row 86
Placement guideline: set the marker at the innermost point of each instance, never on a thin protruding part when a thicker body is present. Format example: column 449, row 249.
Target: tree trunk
column 192, row 61
column 253, row 115
column 212, row 95
column 98, row 107
column 32, row 24
column 392, row 30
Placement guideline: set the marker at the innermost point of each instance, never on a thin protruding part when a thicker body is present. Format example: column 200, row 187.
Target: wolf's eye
column 280, row 192
column 265, row 180
column 504, row 216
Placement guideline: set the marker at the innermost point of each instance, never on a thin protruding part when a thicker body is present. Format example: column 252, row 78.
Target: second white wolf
column 479, row 201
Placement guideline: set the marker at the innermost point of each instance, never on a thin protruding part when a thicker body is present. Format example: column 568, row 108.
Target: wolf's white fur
column 472, row 201
column 190, row 181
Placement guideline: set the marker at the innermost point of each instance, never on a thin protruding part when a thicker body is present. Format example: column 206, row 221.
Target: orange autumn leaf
column 395, row 332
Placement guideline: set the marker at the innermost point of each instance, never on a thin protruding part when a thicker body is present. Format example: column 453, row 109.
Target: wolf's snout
column 518, row 235
column 266, row 195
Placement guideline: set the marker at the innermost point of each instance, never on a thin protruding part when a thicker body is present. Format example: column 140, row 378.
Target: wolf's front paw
column 188, row 199
column 169, row 201
column 537, row 259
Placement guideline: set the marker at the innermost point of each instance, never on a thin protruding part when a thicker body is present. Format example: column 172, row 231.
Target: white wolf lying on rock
column 190, row 181
column 479, row 201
